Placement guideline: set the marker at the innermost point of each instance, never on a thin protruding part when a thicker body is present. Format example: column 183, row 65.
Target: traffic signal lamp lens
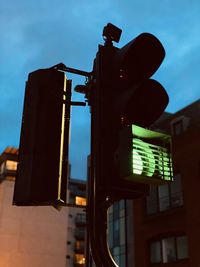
column 145, row 105
column 143, row 150
column 137, row 162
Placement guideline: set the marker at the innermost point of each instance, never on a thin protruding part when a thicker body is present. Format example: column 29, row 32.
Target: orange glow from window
column 80, row 201
column 11, row 165
column 79, row 259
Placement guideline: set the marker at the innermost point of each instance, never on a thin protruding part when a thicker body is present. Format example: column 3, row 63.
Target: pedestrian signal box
column 144, row 156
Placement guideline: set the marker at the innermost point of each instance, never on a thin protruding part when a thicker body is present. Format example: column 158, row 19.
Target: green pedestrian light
column 145, row 156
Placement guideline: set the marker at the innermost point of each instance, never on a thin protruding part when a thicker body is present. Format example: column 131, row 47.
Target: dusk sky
column 41, row 33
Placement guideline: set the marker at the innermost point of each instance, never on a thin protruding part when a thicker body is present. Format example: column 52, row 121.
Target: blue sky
column 41, row 33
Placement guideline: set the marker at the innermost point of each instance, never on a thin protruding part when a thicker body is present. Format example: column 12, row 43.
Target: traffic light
column 124, row 94
column 126, row 157
column 43, row 153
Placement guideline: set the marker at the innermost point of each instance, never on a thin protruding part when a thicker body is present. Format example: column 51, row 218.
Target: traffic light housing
column 139, row 99
column 124, row 94
column 43, row 152
column 126, row 157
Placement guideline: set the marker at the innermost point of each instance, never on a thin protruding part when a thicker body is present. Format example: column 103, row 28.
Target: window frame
column 156, row 209
column 160, row 240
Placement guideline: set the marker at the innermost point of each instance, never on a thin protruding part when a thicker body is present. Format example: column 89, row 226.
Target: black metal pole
column 97, row 199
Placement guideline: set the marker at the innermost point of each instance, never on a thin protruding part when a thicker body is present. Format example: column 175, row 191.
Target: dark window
column 117, row 232
column 155, row 252
column 182, row 248
column 178, row 127
column 169, row 249
column 165, row 197
column 79, row 245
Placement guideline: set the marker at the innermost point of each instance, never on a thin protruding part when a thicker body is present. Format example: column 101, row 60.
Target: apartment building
column 161, row 229
column 30, row 236
column 167, row 222
column 40, row 236
column 76, row 231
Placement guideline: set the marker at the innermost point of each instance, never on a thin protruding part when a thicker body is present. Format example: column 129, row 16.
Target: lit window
column 11, row 165
column 80, row 201
column 79, row 259
column 169, row 249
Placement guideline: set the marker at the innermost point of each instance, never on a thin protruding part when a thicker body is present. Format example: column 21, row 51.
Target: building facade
column 76, row 231
column 120, row 232
column 40, row 236
column 162, row 229
column 167, row 222
column 30, row 236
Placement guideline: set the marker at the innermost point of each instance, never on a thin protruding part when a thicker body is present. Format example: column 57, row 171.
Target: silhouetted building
column 167, row 222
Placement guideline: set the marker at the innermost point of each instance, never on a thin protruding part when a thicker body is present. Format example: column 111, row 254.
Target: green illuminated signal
column 151, row 155
column 143, row 158
column 137, row 163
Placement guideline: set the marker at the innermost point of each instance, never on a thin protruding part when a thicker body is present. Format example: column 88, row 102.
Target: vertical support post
column 100, row 134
